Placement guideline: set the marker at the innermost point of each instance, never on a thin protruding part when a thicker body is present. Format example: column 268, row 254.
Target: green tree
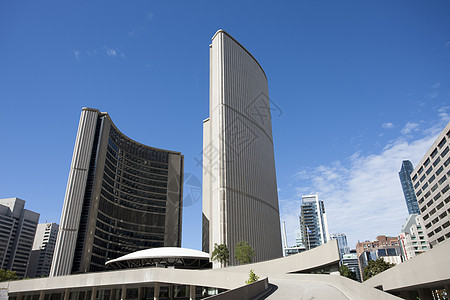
column 252, row 277
column 375, row 267
column 244, row 253
column 7, row 275
column 345, row 271
column 220, row 254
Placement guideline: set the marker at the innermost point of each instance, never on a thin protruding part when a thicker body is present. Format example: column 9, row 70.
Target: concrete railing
column 245, row 292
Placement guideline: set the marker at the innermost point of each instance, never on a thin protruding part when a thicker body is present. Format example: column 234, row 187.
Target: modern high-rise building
column 121, row 197
column 342, row 243
column 408, row 190
column 17, row 229
column 413, row 239
column 42, row 251
column 313, row 222
column 431, row 180
column 240, row 201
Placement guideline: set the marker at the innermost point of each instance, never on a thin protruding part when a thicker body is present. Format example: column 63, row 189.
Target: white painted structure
column 413, row 239
column 240, row 201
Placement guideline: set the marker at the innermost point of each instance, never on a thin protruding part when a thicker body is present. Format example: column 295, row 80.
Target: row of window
column 135, row 149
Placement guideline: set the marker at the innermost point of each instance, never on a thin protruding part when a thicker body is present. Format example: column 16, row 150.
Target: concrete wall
column 430, row 268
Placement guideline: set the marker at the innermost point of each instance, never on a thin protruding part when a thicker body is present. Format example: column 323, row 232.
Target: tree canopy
column 244, row 253
column 220, row 254
column 345, row 271
column 7, row 275
column 375, row 267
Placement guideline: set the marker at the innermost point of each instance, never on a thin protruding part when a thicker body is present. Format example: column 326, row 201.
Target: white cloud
column 432, row 95
column 436, row 85
column 445, row 117
column 387, row 125
column 409, row 127
column 150, row 15
column 111, row 52
column 362, row 193
column 77, row 54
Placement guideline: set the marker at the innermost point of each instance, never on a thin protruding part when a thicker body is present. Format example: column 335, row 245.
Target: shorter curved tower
column 121, row 197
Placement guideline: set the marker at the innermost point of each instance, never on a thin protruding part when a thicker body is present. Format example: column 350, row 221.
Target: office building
column 351, row 261
column 342, row 243
column 385, row 247
column 42, row 251
column 431, row 185
column 17, row 229
column 121, row 197
column 413, row 239
column 240, row 201
column 408, row 190
column 313, row 222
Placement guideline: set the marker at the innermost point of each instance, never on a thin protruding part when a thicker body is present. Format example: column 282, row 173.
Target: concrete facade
column 310, row 275
column 313, row 222
column 431, row 180
column 240, row 200
column 413, row 239
column 121, row 197
column 17, row 229
column 417, row 276
column 43, row 248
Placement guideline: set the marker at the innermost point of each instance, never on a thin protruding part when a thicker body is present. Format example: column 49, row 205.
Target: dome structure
column 162, row 257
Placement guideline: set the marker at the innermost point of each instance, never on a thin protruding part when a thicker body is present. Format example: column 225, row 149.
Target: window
column 436, row 161
column 415, row 177
column 422, row 178
column 442, row 143
column 445, row 189
column 444, row 152
column 427, row 194
column 434, row 187
column 431, row 178
column 443, row 215
column 429, row 170
column 447, row 162
column 425, row 185
column 438, row 171
column 433, row 154
column 435, row 220
column 417, row 185
column 419, row 192
column 426, row 217
column 442, row 179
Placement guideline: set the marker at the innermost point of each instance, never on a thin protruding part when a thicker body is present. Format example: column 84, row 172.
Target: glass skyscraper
column 407, row 186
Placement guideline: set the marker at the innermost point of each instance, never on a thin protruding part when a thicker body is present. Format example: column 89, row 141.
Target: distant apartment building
column 342, row 243
column 431, row 184
column 313, row 222
column 385, row 247
column 17, row 229
column 351, row 261
column 121, row 197
column 43, row 248
column 413, row 239
column 407, row 186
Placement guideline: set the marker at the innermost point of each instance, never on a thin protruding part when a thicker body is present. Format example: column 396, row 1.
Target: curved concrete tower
column 240, row 201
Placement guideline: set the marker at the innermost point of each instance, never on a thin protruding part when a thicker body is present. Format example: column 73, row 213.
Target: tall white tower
column 240, row 201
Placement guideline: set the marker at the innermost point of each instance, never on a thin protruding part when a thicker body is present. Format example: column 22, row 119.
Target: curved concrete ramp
column 293, row 289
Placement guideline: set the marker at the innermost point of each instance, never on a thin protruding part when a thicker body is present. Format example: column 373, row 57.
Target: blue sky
column 360, row 86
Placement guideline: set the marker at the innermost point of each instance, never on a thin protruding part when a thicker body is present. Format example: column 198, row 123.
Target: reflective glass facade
column 407, row 186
